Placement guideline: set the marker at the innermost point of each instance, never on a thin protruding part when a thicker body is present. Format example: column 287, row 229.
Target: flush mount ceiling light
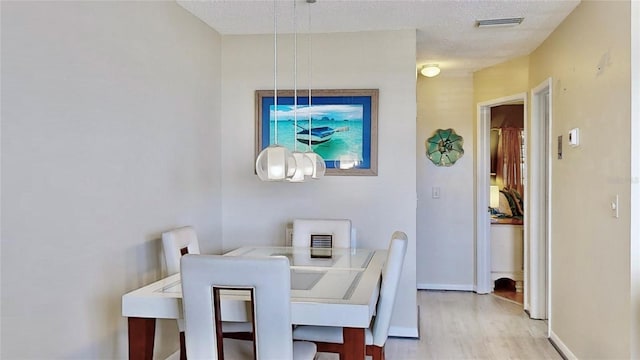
column 430, row 70
column 499, row 22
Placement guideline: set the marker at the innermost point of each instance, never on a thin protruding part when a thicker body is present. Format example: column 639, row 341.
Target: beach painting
column 340, row 126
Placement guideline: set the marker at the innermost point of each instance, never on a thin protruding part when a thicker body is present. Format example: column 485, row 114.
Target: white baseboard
column 405, row 332
column 561, row 347
column 455, row 287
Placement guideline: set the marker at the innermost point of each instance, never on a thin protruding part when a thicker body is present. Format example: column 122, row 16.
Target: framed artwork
column 343, row 127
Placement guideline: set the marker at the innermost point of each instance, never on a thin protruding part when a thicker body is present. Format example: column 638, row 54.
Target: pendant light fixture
column 303, row 162
column 318, row 167
column 274, row 163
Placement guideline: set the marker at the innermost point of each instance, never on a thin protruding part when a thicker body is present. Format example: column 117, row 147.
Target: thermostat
column 574, row 137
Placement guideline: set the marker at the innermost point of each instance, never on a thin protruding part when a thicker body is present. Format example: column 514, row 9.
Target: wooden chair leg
column 238, row 335
column 376, row 352
column 141, row 337
column 183, row 347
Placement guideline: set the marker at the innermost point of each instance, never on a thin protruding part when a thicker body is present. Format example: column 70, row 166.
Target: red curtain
column 509, row 155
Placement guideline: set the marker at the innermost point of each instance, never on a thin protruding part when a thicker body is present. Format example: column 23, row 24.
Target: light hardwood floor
column 464, row 325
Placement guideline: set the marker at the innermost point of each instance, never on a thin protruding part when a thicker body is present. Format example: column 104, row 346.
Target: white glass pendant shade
column 317, row 168
column 291, row 169
column 347, row 161
column 303, row 165
column 274, row 163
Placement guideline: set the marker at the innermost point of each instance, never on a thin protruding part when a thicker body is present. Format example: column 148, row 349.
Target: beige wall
column 591, row 274
column 110, row 122
column 445, row 225
column 588, row 58
column 634, row 254
column 506, row 79
column 377, row 205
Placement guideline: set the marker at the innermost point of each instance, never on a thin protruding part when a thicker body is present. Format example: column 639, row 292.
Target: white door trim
column 537, row 202
column 635, row 179
column 483, row 222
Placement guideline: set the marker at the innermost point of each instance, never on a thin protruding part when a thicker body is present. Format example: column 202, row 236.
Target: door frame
column 538, row 207
column 483, row 222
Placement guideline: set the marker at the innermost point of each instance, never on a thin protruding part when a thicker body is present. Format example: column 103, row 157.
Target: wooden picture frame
column 344, row 127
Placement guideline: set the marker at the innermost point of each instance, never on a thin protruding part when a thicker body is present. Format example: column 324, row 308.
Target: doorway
column 483, row 221
column 536, row 187
column 484, row 283
column 506, row 203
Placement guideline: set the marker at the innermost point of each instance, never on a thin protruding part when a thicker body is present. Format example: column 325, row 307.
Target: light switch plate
column 615, row 207
column 574, row 137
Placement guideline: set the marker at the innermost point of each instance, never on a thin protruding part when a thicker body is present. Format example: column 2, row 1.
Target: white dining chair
column 268, row 279
column 178, row 242
column 339, row 229
column 329, row 338
column 182, row 241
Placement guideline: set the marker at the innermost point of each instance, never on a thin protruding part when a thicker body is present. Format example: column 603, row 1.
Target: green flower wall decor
column 444, row 148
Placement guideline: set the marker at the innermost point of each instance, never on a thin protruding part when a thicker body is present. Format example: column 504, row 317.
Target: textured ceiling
column 446, row 32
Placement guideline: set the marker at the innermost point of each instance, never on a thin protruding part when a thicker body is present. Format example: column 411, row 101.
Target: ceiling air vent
column 499, row 22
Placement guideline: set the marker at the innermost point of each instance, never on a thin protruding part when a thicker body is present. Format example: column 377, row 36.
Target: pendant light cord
column 309, row 61
column 295, row 77
column 275, row 69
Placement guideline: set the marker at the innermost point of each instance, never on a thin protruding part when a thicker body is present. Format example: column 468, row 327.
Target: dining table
column 329, row 287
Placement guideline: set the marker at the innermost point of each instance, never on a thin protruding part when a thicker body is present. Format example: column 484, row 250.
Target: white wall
column 445, row 239
column 255, row 212
column 110, row 129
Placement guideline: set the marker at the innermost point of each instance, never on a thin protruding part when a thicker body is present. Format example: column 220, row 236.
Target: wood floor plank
column 464, row 325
